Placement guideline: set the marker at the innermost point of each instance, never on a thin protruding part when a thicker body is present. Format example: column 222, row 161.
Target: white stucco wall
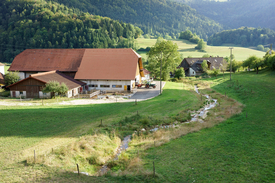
column 111, row 83
column 192, row 72
column 147, row 77
column 22, row 75
column 47, row 95
column 17, row 94
column 2, row 69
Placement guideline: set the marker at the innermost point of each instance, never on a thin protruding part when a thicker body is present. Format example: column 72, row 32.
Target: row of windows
column 105, row 86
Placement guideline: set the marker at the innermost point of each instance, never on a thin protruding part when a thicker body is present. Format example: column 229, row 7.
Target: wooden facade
column 31, row 86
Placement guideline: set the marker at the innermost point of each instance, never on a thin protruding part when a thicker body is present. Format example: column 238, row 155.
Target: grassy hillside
column 187, row 48
column 152, row 16
column 239, row 150
column 46, row 128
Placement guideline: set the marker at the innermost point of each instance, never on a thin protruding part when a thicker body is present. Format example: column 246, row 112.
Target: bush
column 260, row 47
column 11, row 78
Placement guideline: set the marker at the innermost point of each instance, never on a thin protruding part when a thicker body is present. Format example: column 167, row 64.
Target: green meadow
column 241, row 149
column 187, row 49
column 46, row 128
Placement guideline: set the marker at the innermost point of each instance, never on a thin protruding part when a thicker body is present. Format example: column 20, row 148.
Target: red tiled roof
column 48, row 60
column 146, row 72
column 108, row 64
column 54, row 76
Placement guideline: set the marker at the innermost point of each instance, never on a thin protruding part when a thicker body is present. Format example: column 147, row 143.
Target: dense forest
column 237, row 13
column 41, row 24
column 243, row 36
column 154, row 17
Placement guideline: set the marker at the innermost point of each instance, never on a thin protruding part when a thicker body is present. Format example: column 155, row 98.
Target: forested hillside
column 154, row 17
column 243, row 36
column 41, row 24
column 237, row 13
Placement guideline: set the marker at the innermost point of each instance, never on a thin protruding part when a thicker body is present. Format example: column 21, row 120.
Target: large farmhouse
column 192, row 66
column 101, row 69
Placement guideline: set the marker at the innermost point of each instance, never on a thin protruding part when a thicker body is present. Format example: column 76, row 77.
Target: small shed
column 32, row 86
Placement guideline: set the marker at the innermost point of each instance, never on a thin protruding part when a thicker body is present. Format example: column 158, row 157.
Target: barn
column 110, row 70
column 32, row 86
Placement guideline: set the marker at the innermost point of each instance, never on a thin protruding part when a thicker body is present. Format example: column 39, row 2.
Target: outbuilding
column 32, row 86
column 192, row 66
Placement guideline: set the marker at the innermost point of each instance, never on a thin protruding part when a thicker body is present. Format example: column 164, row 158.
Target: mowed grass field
column 241, row 149
column 187, row 48
column 43, row 128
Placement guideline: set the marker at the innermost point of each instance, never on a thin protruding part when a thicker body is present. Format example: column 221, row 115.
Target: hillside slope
column 41, row 24
column 243, row 36
column 237, row 13
column 152, row 16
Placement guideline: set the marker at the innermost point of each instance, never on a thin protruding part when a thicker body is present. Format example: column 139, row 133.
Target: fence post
column 154, row 171
column 77, row 169
column 34, row 155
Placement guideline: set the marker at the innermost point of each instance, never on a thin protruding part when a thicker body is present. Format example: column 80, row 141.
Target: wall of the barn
column 110, row 85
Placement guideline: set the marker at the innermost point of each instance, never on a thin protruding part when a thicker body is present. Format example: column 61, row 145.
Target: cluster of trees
column 155, row 17
column 254, row 62
column 243, row 36
column 188, row 35
column 164, row 57
column 41, row 24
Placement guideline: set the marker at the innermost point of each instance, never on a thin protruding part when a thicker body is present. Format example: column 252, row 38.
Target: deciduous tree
column 165, row 52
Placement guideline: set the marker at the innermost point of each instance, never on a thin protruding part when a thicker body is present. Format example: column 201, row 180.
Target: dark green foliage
column 154, row 17
column 11, row 77
column 237, row 13
column 201, row 45
column 269, row 60
column 243, row 36
column 253, row 62
column 55, row 87
column 188, row 35
column 41, row 24
column 145, row 49
column 179, row 73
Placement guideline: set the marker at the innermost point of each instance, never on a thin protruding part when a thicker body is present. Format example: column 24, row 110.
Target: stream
column 197, row 116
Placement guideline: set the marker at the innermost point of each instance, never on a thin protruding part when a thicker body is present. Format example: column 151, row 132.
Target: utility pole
column 160, row 73
column 230, row 62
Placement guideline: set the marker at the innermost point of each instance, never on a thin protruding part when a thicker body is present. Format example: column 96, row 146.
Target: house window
column 104, row 86
column 193, row 72
column 93, row 85
column 116, row 86
column 21, row 92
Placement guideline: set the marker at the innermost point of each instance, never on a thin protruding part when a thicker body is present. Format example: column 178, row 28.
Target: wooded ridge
column 41, row 24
